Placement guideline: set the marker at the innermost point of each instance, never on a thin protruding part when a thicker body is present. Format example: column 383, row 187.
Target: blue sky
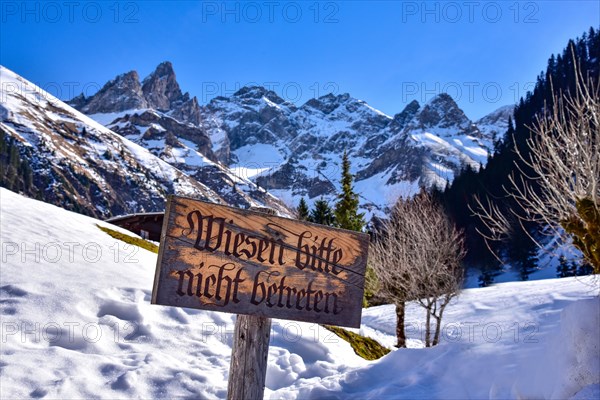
column 483, row 53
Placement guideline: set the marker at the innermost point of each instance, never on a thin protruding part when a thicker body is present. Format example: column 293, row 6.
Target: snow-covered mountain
column 295, row 151
column 495, row 124
column 79, row 324
column 56, row 153
column 156, row 115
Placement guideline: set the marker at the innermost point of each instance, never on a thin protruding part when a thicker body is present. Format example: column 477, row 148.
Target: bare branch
column 564, row 158
column 417, row 255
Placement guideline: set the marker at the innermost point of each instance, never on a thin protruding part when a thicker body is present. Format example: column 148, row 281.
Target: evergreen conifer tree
column 584, row 268
column 491, row 181
column 302, row 212
column 564, row 268
column 529, row 264
column 346, row 208
column 322, row 213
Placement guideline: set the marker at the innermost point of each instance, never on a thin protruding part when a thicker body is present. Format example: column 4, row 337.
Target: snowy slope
column 80, row 164
column 78, row 324
column 519, row 340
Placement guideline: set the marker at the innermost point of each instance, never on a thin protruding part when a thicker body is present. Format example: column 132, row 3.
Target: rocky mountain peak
column 495, row 124
column 78, row 101
column 256, row 93
column 297, row 148
column 188, row 111
column 160, row 88
column 442, row 103
column 443, row 112
column 120, row 94
column 131, row 76
column 327, row 103
column 499, row 115
column 406, row 114
column 165, row 68
column 129, row 80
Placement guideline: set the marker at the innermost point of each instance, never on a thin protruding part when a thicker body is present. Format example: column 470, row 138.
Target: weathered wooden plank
column 248, row 367
column 225, row 259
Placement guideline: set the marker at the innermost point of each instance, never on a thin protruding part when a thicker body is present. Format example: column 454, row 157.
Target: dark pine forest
column 518, row 250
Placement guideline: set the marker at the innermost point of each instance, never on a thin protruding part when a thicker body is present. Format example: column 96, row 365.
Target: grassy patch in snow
column 365, row 347
column 144, row 244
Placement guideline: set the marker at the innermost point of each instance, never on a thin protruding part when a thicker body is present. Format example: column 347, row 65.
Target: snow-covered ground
column 77, row 323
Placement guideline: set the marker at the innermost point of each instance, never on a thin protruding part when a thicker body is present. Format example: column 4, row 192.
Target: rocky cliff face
column 146, row 127
column 122, row 93
column 161, row 89
column 158, row 91
column 443, row 115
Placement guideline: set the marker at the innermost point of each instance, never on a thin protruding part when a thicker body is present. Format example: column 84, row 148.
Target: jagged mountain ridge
column 159, row 90
column 295, row 151
column 81, row 165
column 166, row 123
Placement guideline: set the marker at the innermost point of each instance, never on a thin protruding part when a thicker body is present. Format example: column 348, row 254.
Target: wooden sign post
column 220, row 258
column 248, row 366
column 249, row 354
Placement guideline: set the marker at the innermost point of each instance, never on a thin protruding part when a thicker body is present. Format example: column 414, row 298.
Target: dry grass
column 144, row 244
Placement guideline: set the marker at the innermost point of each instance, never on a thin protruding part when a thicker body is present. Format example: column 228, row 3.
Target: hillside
column 78, row 324
column 510, row 165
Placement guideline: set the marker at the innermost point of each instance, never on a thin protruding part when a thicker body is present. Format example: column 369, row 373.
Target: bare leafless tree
column 563, row 193
column 393, row 275
column 416, row 255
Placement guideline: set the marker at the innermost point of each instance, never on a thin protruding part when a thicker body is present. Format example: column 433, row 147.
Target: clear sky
column 483, row 53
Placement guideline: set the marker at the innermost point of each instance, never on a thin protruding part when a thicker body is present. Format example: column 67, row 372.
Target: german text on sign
column 220, row 258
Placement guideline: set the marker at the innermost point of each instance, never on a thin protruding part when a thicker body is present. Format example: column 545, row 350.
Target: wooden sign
column 220, row 258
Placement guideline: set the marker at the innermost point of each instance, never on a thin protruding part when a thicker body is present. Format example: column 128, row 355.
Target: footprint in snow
column 13, row 291
column 38, row 393
column 9, row 310
column 178, row 315
column 124, row 311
